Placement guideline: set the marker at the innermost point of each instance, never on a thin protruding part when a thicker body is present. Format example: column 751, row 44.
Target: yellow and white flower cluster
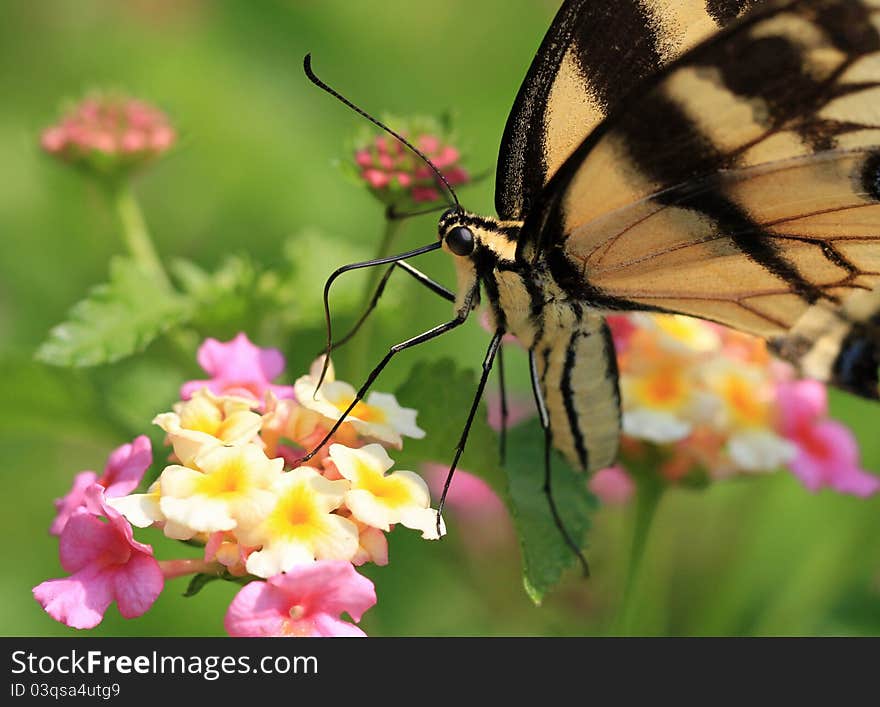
column 704, row 392
column 236, row 484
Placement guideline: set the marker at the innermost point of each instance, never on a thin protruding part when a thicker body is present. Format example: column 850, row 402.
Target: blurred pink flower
column 519, row 409
column 106, row 564
column 827, row 452
column 305, row 601
column 395, row 175
column 238, row 367
column 613, row 486
column 622, row 328
column 109, row 133
column 124, row 470
column 468, row 494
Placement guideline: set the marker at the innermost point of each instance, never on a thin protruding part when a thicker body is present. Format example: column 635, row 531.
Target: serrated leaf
column 116, row 320
column 49, row 401
column 442, row 394
column 544, row 551
column 312, row 256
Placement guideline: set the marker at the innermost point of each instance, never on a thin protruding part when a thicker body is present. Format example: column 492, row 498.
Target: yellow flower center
column 362, row 411
column 200, row 416
column 744, row 400
column 392, row 491
column 665, row 389
column 297, row 514
column 228, row 480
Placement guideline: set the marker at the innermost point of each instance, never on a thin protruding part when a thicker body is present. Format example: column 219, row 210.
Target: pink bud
column 104, row 127
column 376, row 178
column 53, row 139
column 424, row 194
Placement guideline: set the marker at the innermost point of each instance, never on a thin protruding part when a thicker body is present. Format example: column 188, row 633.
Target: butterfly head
column 457, row 236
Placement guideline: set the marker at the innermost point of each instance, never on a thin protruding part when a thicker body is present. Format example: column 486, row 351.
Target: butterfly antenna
column 307, row 65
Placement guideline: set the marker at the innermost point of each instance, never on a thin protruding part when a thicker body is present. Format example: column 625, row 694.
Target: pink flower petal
column 328, row 626
column 613, row 486
column 304, row 601
column 86, row 540
column 800, row 403
column 519, row 409
column 328, row 587
column 238, row 367
column 137, row 585
column 73, row 500
column 126, row 466
column 79, row 602
column 259, row 609
column 467, row 494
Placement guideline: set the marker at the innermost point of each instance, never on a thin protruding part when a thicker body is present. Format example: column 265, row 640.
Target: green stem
column 361, row 345
column 135, row 233
column 649, row 491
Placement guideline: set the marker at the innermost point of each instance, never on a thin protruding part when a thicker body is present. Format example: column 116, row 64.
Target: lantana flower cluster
column 704, row 402
column 108, row 133
column 397, row 177
column 235, row 484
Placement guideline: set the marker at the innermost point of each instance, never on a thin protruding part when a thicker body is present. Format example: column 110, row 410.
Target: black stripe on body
column 568, row 398
column 485, row 262
column 613, row 368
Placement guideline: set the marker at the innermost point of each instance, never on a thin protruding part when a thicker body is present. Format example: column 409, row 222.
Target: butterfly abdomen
column 578, row 376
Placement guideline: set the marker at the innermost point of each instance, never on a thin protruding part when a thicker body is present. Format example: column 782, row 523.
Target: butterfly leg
column 494, row 349
column 544, row 417
column 432, row 333
column 419, row 277
column 502, row 433
column 357, row 266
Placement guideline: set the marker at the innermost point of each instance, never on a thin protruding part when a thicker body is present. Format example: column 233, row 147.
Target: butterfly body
column 568, row 338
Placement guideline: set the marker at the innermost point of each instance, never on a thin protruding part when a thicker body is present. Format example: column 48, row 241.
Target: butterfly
column 712, row 158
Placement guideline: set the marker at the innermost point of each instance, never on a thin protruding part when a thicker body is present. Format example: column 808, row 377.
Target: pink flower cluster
column 236, row 485
column 397, row 176
column 701, row 399
column 109, row 133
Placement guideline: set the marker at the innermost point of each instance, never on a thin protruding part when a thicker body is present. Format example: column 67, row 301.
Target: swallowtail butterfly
column 714, row 158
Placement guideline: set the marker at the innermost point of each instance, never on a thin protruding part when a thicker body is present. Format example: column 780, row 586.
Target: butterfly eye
column 460, row 240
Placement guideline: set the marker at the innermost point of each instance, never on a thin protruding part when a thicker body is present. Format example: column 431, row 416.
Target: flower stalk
column 135, row 233
column 649, row 492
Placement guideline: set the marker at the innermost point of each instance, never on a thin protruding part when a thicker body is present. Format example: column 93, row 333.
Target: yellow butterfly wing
column 595, row 53
column 741, row 187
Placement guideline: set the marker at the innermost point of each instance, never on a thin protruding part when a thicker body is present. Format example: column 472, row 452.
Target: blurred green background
column 254, row 174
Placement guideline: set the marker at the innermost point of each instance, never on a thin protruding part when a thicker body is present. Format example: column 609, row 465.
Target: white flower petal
column 655, row 426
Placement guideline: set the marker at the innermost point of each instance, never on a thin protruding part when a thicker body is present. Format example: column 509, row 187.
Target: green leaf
column 53, row 402
column 544, row 551
column 200, row 581
column 116, row 320
column 312, row 256
column 443, row 394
